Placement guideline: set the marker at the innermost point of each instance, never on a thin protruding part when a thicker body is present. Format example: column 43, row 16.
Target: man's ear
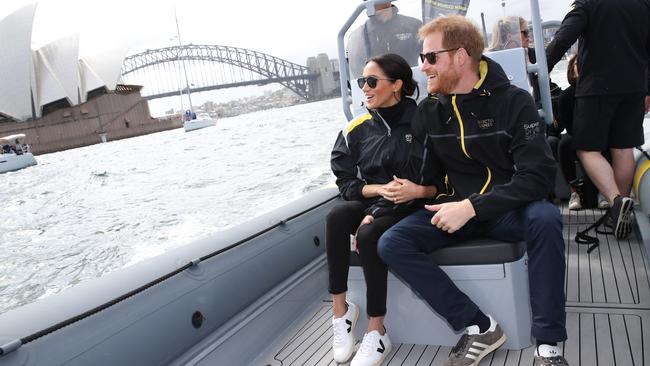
column 462, row 57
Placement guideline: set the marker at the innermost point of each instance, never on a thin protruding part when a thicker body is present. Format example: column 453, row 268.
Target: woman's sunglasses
column 371, row 81
column 431, row 56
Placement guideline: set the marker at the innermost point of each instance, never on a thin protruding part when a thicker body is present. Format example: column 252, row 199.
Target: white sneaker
column 547, row 355
column 373, row 349
column 602, row 202
column 574, row 201
column 343, row 340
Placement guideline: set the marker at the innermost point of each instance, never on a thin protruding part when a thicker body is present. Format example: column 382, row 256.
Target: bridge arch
column 272, row 69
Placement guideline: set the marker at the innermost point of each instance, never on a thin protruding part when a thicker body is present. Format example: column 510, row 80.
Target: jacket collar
column 406, row 116
column 491, row 78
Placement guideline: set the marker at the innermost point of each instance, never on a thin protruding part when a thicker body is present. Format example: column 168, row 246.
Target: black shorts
column 608, row 121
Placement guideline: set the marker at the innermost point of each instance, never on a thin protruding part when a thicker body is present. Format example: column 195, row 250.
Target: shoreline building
column 61, row 101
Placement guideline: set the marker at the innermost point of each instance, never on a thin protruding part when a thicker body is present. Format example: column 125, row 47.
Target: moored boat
column 202, row 120
column 15, row 153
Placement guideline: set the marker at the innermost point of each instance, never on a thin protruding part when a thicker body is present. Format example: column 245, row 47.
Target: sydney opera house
column 60, row 100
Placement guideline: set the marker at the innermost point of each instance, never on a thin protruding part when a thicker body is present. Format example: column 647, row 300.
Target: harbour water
column 85, row 212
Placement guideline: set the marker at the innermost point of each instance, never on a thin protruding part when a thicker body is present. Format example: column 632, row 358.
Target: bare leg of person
column 339, row 307
column 600, row 172
column 623, row 166
column 376, row 323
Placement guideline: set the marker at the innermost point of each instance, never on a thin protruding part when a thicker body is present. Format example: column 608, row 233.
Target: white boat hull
column 11, row 162
column 196, row 124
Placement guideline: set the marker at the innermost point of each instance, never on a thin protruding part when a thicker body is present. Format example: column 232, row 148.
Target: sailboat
column 191, row 121
column 256, row 294
column 202, row 120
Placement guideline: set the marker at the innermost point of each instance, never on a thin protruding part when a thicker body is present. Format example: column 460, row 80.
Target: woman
column 566, row 151
column 510, row 32
column 371, row 160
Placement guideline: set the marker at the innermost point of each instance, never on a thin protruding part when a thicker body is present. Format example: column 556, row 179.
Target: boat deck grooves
column 596, row 337
column 608, row 312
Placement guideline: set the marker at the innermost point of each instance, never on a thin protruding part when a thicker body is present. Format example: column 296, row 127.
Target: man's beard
column 446, row 82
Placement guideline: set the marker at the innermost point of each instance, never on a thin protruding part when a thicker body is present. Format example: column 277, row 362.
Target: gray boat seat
column 475, row 251
column 494, row 274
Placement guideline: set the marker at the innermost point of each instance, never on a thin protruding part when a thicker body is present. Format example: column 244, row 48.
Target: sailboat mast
column 187, row 83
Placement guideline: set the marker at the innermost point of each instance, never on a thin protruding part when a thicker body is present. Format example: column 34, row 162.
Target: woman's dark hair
column 571, row 70
column 396, row 67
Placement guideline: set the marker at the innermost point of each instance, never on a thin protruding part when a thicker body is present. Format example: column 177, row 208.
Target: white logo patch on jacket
column 403, row 36
column 531, row 130
column 484, row 124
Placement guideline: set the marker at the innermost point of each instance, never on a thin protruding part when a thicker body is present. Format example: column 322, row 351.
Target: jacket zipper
column 462, row 143
column 385, row 124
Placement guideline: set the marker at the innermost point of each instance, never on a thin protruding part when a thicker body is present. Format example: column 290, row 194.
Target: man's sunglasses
column 431, row 56
column 370, row 80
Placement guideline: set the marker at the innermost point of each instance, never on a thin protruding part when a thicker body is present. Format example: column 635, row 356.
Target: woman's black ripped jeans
column 342, row 221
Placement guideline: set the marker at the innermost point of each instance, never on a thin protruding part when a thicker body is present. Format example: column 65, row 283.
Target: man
column 386, row 31
column 486, row 137
column 610, row 93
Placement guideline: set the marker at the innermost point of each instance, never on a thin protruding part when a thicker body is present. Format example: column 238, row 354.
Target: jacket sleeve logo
column 531, row 130
column 408, row 137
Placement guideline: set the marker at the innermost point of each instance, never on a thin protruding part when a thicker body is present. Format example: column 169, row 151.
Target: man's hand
column 647, row 103
column 451, row 216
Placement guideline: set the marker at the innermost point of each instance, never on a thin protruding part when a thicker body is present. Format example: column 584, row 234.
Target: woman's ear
column 398, row 85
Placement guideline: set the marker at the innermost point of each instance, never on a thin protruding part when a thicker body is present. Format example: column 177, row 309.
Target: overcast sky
column 290, row 29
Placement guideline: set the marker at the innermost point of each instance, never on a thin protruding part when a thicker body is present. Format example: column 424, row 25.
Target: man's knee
column 589, row 155
column 622, row 155
column 386, row 246
column 543, row 215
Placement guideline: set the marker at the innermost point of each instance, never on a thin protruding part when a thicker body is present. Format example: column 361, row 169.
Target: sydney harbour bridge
column 166, row 72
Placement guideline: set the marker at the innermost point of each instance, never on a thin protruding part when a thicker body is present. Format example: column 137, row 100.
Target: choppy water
column 84, row 212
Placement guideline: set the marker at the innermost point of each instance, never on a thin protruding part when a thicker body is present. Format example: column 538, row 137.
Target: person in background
column 566, row 152
column 610, row 94
column 486, row 137
column 509, row 32
column 370, row 159
column 386, row 31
